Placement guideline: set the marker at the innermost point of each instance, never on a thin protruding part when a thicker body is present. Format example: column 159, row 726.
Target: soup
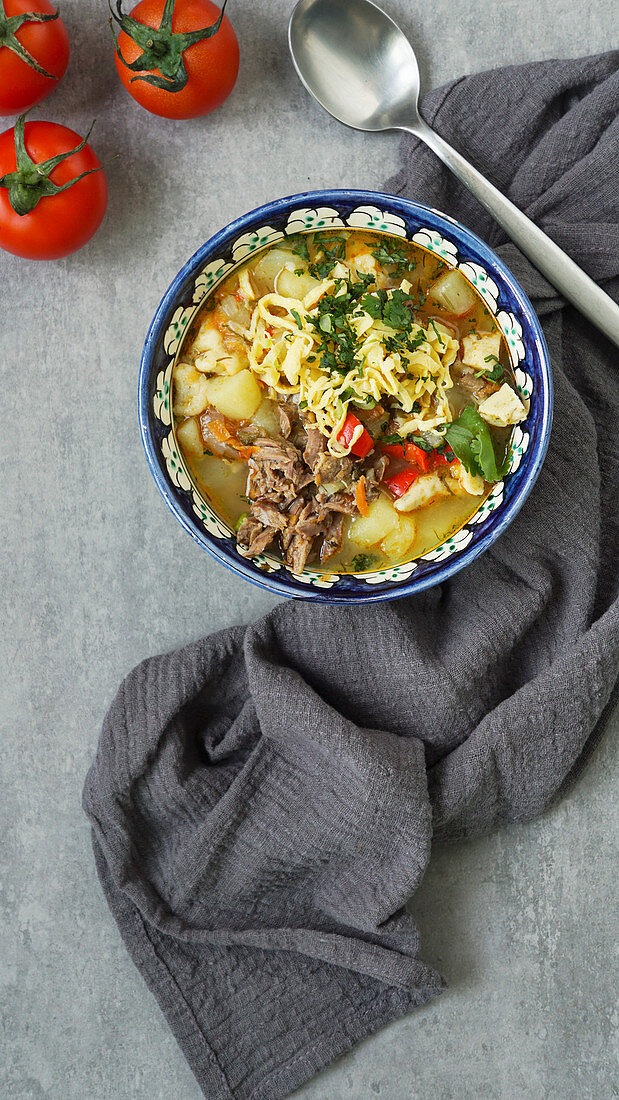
column 344, row 400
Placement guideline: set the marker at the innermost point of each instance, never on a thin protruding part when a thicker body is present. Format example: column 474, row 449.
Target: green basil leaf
column 470, row 439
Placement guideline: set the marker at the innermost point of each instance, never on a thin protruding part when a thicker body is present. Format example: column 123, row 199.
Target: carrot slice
column 219, row 430
column 360, row 497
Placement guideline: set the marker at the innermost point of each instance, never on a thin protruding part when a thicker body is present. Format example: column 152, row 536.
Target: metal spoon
column 362, row 69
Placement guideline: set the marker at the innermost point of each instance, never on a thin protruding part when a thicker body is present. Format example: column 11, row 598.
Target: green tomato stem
column 9, row 27
column 162, row 48
column 30, row 182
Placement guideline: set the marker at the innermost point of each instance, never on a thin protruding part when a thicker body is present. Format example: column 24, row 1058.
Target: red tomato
column 212, row 65
column 21, row 86
column 58, row 224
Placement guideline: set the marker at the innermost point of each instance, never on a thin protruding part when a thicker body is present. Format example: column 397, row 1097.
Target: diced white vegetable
column 452, row 291
column 340, row 271
column 208, row 339
column 189, row 389
column 503, row 408
column 245, row 286
column 399, row 541
column 380, row 520
column 235, row 310
column 423, row 491
column 461, row 482
column 188, row 435
column 237, row 397
column 481, row 352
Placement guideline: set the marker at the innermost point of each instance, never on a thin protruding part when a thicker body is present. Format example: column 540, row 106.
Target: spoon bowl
column 356, row 62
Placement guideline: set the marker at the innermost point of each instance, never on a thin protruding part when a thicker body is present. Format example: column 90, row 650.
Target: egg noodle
column 286, row 337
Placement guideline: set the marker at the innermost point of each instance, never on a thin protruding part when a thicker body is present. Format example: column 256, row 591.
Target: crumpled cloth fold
column 263, row 801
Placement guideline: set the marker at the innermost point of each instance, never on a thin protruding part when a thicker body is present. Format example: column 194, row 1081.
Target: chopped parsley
column 300, row 249
column 361, row 563
column 393, row 309
column 331, row 321
column 497, row 372
column 320, row 269
column 390, row 254
column 295, row 313
column 363, row 402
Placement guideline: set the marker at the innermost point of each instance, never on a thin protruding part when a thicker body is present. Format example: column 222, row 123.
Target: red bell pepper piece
column 363, row 445
column 442, row 458
column 395, row 450
column 421, row 458
column 411, row 452
column 425, row 460
column 397, row 484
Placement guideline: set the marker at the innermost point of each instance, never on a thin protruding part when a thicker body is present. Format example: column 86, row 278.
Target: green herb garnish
column 361, row 563
column 393, row 309
column 498, row 369
column 390, row 254
column 300, row 249
column 470, row 439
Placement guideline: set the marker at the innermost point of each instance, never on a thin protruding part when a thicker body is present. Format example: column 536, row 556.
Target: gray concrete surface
column 96, row 575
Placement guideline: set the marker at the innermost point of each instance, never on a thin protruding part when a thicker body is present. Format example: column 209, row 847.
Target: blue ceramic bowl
column 436, row 232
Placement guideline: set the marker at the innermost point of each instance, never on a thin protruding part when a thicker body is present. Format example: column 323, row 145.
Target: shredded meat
column 479, row 388
column 286, row 420
column 252, row 537
column 316, row 446
column 324, row 466
column 269, row 515
column 290, row 423
column 276, row 472
column 340, row 502
column 333, row 535
column 287, row 500
column 374, row 474
column 298, row 552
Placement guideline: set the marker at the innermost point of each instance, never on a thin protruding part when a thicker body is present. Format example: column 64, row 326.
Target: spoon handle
column 561, row 271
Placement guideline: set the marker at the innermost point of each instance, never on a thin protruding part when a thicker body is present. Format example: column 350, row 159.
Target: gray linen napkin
column 263, row 801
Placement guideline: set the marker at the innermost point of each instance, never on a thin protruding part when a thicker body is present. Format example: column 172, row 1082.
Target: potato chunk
column 188, row 435
column 271, row 263
column 190, row 390
column 423, row 491
column 208, row 339
column 237, row 397
column 452, row 291
column 503, row 408
column 400, row 540
column 380, row 520
column 481, row 352
column 292, row 285
column 365, row 264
